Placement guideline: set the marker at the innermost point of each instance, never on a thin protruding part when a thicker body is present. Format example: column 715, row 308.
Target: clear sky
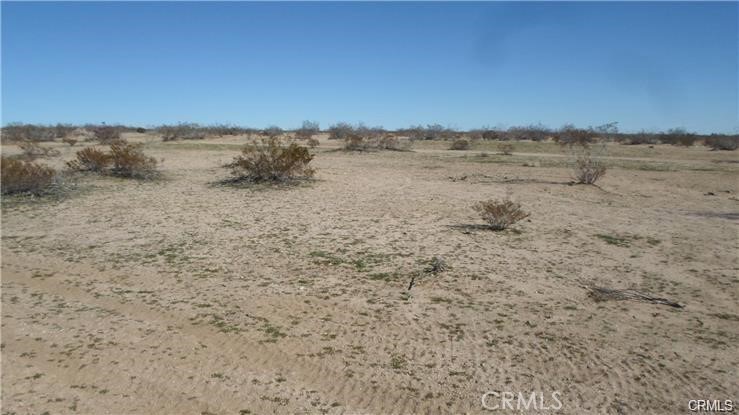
column 465, row 65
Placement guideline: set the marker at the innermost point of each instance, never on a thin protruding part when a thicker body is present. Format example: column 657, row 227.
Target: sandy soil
column 182, row 296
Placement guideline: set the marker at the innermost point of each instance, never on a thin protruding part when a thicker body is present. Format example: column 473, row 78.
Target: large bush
column 19, row 176
column 266, row 160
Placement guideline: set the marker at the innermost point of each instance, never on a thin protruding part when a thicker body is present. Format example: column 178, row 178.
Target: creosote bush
column 32, row 150
column 266, row 160
column 588, row 169
column 123, row 160
column 90, row 159
column 307, row 131
column 505, row 148
column 129, row 160
column 69, row 140
column 500, row 214
column 19, row 176
column 722, row 142
column 460, row 144
column 106, row 134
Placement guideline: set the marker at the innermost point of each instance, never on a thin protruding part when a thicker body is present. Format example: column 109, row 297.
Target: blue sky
column 645, row 65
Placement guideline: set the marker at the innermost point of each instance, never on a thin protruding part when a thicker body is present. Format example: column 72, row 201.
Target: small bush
column 678, row 137
column 272, row 131
column 588, row 169
column 106, row 134
column 69, row 140
column 505, row 148
column 340, row 131
column 500, row 214
column 307, row 131
column 181, row 131
column 18, row 176
column 32, row 150
column 129, row 160
column 90, row 159
column 265, row 160
column 460, row 144
column 722, row 142
column 571, row 136
column 312, row 142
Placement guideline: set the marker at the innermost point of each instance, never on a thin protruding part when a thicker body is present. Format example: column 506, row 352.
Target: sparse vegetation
column 69, row 140
column 266, row 160
column 505, row 148
column 722, row 142
column 123, row 160
column 21, row 176
column 129, row 160
column 32, row 150
column 588, row 169
column 460, row 144
column 500, row 214
column 90, row 159
column 307, row 131
column 106, row 134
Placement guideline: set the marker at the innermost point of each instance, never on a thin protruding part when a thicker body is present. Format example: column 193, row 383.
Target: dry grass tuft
column 500, row 214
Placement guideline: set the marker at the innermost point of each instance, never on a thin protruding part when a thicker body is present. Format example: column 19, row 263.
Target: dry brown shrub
column 312, row 142
column 505, row 148
column 106, row 134
column 90, row 159
column 129, row 160
column 19, row 176
column 32, row 150
column 69, row 140
column 460, row 144
column 500, row 214
column 308, row 130
column 266, row 160
column 588, row 169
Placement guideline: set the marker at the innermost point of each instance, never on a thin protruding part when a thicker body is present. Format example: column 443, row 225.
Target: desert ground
column 183, row 296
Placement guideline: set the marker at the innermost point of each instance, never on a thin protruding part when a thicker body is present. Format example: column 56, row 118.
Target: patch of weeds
column 614, row 240
column 273, row 332
column 398, row 362
column 325, row 258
